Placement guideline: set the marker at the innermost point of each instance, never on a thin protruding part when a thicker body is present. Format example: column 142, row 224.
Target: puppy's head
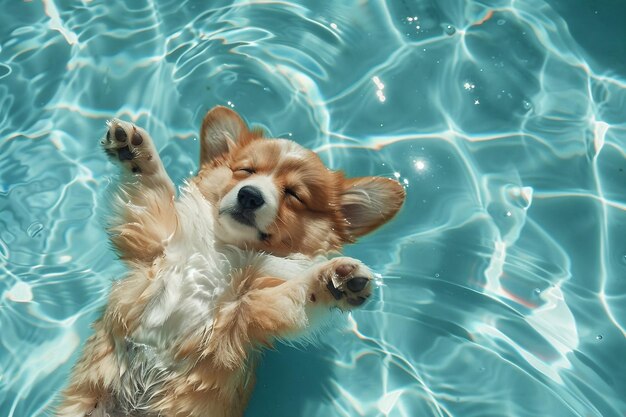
column 276, row 196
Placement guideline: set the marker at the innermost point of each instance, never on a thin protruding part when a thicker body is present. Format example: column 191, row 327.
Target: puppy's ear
column 221, row 129
column 369, row 202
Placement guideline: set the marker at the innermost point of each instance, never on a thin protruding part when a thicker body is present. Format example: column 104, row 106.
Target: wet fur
column 181, row 333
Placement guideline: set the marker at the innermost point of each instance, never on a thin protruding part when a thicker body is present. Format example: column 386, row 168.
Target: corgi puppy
column 233, row 264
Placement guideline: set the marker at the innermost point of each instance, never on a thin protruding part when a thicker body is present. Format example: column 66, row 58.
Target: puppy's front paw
column 347, row 280
column 131, row 146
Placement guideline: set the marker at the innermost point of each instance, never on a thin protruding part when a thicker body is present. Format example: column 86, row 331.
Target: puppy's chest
column 185, row 298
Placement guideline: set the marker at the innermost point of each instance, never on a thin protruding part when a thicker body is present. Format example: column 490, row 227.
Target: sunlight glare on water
column 503, row 276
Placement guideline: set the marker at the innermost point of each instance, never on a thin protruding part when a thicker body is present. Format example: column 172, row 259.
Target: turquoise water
column 505, row 273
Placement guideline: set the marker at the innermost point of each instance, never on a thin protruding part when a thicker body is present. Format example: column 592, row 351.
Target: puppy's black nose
column 250, row 198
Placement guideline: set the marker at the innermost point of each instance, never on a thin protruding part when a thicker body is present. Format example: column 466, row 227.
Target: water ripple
column 502, row 291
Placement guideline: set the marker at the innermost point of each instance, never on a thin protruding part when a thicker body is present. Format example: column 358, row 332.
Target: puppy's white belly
column 185, row 301
column 192, row 276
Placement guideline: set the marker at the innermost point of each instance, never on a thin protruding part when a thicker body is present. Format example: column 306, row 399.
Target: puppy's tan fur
column 159, row 350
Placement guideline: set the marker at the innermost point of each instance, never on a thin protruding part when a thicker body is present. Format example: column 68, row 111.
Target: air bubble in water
column 449, row 29
column 599, row 337
column 436, row 275
column 500, row 22
column 527, row 105
column 34, row 229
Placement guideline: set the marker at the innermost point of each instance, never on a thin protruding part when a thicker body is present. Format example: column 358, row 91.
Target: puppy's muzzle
column 249, row 200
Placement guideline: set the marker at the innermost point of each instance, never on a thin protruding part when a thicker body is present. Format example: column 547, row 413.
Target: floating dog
column 233, row 264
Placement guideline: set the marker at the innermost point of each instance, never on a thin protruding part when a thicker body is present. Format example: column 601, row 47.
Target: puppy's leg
column 289, row 307
column 144, row 216
column 267, row 308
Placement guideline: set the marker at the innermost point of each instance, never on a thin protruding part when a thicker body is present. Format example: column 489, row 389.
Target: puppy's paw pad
column 349, row 281
column 128, row 144
column 119, row 133
column 137, row 139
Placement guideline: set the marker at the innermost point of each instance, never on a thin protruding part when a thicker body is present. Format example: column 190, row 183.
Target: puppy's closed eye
column 290, row 192
column 244, row 172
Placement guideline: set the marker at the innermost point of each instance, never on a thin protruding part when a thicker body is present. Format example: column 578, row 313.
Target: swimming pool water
column 505, row 289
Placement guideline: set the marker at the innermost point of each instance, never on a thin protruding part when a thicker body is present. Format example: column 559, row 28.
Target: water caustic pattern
column 504, row 274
